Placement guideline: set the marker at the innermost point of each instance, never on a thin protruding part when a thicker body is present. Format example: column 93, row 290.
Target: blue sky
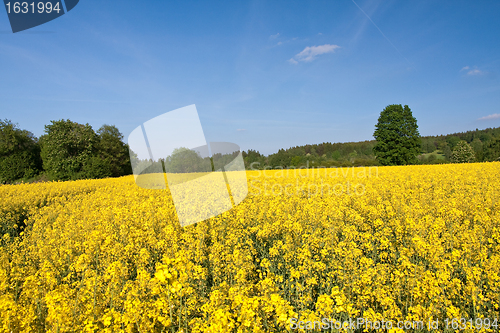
column 263, row 74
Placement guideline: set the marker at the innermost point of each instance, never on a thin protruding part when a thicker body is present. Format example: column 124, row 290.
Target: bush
column 95, row 167
column 17, row 166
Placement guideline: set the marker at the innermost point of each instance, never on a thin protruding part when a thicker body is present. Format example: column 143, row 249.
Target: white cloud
column 491, row 117
column 241, row 129
column 472, row 71
column 274, row 36
column 475, row 72
column 311, row 52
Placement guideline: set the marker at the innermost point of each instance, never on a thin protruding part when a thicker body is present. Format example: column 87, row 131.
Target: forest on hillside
column 434, row 150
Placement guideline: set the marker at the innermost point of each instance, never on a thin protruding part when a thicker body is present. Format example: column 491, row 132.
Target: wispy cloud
column 283, row 42
column 241, row 129
column 274, row 36
column 472, row 71
column 311, row 52
column 475, row 72
column 491, row 117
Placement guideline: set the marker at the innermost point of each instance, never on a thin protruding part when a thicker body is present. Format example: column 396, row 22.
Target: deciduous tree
column 113, row 151
column 463, row 153
column 66, row 147
column 19, row 153
column 398, row 139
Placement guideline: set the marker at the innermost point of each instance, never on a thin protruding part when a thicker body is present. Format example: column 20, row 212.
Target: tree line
column 70, row 151
column 67, row 151
column 184, row 160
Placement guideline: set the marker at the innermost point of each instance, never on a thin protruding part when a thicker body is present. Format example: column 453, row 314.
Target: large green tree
column 67, row 147
column 19, row 153
column 74, row 151
column 398, row 139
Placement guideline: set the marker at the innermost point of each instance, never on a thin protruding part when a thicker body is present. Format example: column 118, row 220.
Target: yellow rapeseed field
column 413, row 243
